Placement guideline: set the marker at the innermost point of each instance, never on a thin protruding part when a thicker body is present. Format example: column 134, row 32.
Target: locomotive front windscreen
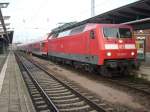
column 117, row 32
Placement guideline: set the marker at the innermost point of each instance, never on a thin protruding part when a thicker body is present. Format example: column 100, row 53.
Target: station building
column 144, row 34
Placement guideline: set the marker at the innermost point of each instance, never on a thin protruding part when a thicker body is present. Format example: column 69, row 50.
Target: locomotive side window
column 77, row 30
column 117, row 32
column 64, row 33
column 55, row 35
column 92, row 34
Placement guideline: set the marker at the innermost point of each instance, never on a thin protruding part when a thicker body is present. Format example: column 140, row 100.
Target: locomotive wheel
column 104, row 71
column 76, row 65
column 125, row 72
column 89, row 68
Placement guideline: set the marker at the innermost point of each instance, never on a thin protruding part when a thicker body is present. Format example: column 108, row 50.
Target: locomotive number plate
column 121, row 46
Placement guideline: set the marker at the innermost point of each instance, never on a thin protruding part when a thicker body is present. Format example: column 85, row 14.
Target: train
column 107, row 48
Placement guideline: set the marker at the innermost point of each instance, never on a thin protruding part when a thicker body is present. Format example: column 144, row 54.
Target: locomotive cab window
column 117, row 32
column 125, row 33
column 111, row 32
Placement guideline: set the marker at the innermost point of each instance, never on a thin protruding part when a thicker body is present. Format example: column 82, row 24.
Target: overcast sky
column 31, row 19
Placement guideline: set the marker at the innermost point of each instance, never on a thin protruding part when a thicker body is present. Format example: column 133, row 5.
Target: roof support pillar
column 3, row 25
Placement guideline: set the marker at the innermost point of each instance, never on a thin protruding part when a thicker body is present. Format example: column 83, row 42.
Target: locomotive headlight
column 132, row 53
column 108, row 54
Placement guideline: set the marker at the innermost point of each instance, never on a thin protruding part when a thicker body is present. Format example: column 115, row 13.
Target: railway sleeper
column 78, row 109
column 40, row 103
column 54, row 89
column 42, row 107
column 71, row 104
column 38, row 99
column 54, row 86
column 67, row 100
column 63, row 97
column 57, row 91
column 58, row 94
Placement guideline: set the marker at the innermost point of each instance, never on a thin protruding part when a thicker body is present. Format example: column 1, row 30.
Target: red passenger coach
column 40, row 48
column 35, row 48
column 107, row 47
column 44, row 48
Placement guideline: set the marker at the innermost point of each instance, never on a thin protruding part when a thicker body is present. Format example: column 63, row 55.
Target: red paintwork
column 74, row 44
column 44, row 49
column 82, row 44
column 40, row 48
column 120, row 53
column 36, row 47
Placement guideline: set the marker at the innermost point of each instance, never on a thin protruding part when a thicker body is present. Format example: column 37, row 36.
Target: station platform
column 147, row 60
column 144, row 70
column 2, row 60
column 14, row 96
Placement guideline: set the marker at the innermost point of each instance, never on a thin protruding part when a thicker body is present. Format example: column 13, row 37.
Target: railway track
column 134, row 85
column 143, row 87
column 51, row 94
column 140, row 87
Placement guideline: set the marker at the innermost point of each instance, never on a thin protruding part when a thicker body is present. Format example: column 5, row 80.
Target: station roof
column 4, row 33
column 129, row 13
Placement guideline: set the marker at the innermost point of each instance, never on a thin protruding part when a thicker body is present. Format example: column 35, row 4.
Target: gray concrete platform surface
column 144, row 70
column 147, row 59
column 2, row 59
column 14, row 96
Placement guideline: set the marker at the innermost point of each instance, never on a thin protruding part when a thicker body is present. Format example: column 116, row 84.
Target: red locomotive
column 103, row 46
column 109, row 48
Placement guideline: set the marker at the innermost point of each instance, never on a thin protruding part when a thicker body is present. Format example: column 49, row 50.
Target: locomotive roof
column 102, row 24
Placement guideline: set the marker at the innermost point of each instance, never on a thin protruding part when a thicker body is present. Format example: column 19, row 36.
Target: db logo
column 121, row 46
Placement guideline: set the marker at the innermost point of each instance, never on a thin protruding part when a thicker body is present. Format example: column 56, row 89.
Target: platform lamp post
column 92, row 8
column 3, row 5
